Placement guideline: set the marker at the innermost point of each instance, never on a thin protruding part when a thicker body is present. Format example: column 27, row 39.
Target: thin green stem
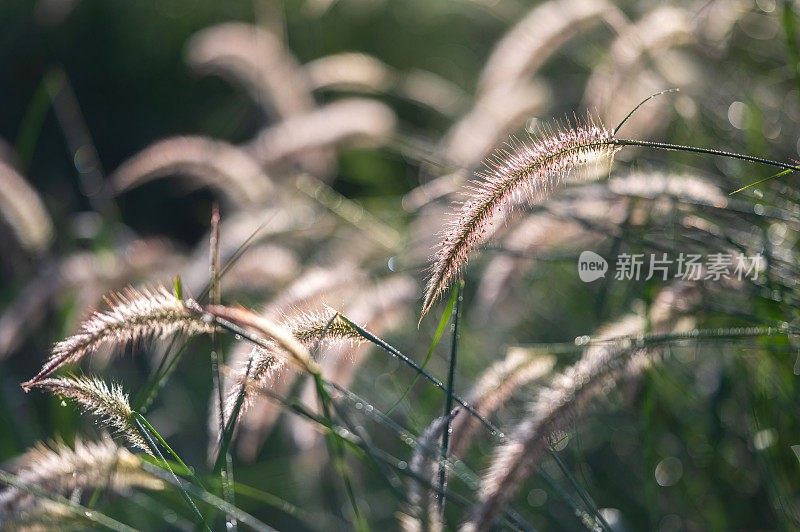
column 433, row 380
column 337, row 454
column 448, row 405
column 437, row 336
column 141, row 423
column 707, row 151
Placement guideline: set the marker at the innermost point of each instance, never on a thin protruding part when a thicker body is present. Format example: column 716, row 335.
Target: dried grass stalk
column 533, row 40
column 257, row 59
column 351, row 120
column 23, row 210
column 133, row 315
column 227, row 168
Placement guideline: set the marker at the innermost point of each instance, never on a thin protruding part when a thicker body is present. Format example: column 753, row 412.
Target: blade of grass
column 31, row 125
column 209, row 498
column 355, row 444
column 427, row 375
column 146, row 396
column 773, row 176
column 448, row 310
column 280, row 504
column 337, row 454
column 458, row 291
column 140, row 424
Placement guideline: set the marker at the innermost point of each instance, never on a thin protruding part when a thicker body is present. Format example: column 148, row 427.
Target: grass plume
column 23, row 210
column 95, row 397
column 225, row 167
column 134, row 314
column 62, row 469
column 532, row 171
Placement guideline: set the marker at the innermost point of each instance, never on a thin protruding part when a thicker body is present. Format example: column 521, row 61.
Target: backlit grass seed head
column 133, row 315
column 62, row 469
column 350, row 72
column 603, row 366
column 247, row 377
column 95, row 397
column 311, row 328
column 322, row 327
column 495, row 387
column 347, row 121
column 227, row 168
column 530, row 171
column 541, row 33
column 255, row 58
column 23, row 210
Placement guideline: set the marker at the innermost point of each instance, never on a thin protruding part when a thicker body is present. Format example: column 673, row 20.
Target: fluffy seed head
column 494, row 388
column 529, row 171
column 322, row 326
column 61, row 469
column 347, row 121
column 94, row 396
column 133, row 315
column 23, row 210
column 227, row 168
column 570, row 392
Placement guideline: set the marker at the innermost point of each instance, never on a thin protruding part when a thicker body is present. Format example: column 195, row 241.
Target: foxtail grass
column 94, row 396
column 134, row 314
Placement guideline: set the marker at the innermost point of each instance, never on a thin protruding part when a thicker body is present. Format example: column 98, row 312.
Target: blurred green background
column 702, row 409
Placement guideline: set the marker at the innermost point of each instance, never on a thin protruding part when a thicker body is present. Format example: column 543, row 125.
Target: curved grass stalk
column 533, row 171
column 225, row 167
column 24, row 211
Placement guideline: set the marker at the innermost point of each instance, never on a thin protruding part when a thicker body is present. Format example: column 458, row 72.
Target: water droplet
column 669, row 471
